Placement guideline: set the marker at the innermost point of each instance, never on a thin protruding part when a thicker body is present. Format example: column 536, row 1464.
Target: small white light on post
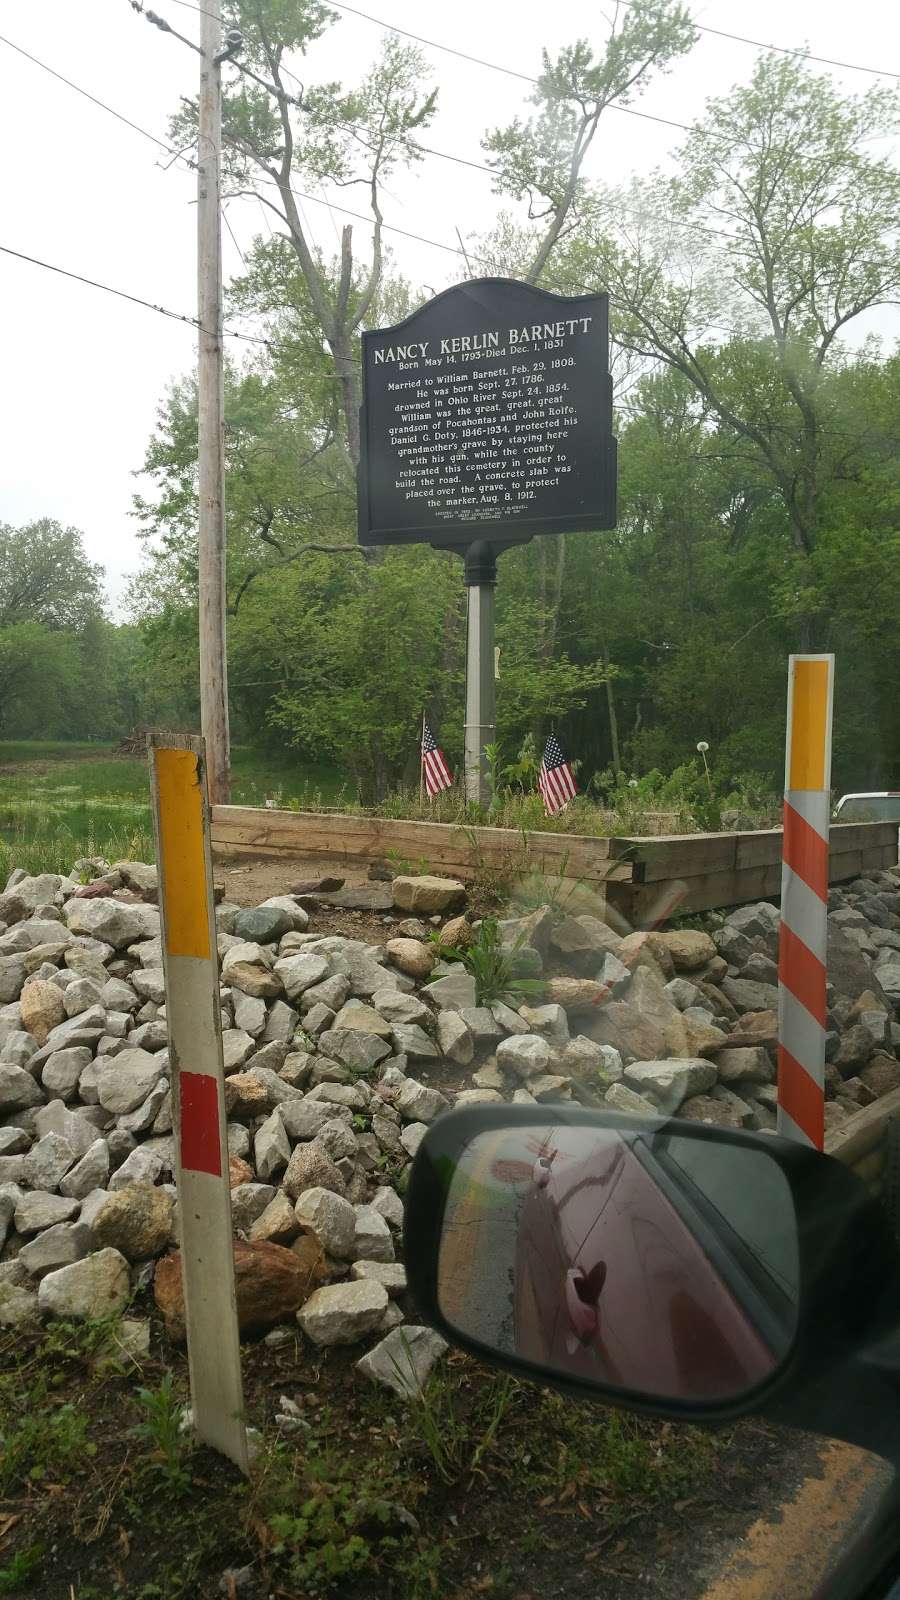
column 703, row 746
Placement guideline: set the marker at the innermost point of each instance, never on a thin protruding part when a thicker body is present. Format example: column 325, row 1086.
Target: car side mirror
column 675, row 1268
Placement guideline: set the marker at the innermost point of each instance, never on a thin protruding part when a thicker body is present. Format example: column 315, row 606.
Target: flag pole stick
column 422, row 765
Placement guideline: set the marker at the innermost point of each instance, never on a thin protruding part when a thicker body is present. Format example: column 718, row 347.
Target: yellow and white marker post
column 190, row 960
column 803, row 940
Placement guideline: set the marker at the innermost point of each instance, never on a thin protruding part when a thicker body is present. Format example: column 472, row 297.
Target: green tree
column 45, row 576
column 280, row 137
column 778, row 231
column 541, row 158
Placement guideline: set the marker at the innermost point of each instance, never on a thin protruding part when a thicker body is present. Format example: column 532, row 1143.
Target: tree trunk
column 346, row 369
column 613, row 718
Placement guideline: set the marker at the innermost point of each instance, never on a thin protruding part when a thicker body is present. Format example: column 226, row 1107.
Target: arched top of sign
column 487, row 415
column 472, row 287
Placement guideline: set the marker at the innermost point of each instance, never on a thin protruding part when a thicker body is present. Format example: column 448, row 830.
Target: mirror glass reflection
column 648, row 1261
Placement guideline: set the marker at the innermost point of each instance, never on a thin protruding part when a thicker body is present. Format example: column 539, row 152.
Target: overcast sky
column 83, row 373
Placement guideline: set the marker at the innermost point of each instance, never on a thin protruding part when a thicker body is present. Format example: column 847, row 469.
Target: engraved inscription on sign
column 488, row 414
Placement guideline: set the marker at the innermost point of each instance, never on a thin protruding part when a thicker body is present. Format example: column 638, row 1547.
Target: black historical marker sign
column 487, row 415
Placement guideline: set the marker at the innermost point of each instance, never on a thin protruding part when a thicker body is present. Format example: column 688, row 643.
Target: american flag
column 555, row 779
column 437, row 773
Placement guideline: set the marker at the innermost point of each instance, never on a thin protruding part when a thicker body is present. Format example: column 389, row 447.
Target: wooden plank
column 862, row 1133
column 761, row 849
column 870, row 1167
column 362, row 837
column 642, row 903
column 860, row 835
column 581, row 849
column 249, row 830
column 456, row 866
column 687, row 855
column 708, row 870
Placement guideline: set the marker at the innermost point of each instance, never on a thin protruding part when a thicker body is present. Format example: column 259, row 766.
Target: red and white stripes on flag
column 555, row 780
column 803, row 942
column 434, row 766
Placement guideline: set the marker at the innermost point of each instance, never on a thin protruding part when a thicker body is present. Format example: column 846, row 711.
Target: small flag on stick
column 434, row 767
column 555, row 779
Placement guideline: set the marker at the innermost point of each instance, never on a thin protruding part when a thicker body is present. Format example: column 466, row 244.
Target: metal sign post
column 803, row 939
column 190, row 960
column 481, row 697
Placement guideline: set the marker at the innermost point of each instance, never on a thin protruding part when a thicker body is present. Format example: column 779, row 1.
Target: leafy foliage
column 163, row 1429
column 495, row 966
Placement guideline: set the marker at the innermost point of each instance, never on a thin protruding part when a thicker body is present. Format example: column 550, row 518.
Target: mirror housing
column 835, row 1374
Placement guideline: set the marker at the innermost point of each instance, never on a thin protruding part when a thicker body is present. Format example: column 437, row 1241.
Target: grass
column 496, row 968
column 372, row 1499
column 62, row 801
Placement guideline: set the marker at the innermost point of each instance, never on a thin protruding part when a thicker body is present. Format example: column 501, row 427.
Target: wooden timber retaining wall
column 640, row 877
column 860, row 1142
column 730, row 869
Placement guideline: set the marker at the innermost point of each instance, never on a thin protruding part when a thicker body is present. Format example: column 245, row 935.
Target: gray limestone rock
column 481, row 1023
column 37, row 1210
column 58, row 1246
column 372, row 1238
column 91, row 1172
column 18, row 1089
column 97, row 1286
column 281, row 1022
column 525, row 1055
column 248, row 1202
column 331, row 1218
column 454, row 1036
column 271, row 1147
column 411, row 1040
column 301, row 972
column 621, row 1098
column 343, row 1313
column 47, row 1162
column 125, row 1083
column 359, row 1051
column 417, row 1102
column 671, row 1081
column 456, row 992
column 403, row 1360
column 113, row 921
column 141, row 1166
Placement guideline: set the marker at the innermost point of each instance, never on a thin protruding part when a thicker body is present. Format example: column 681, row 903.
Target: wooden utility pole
column 210, row 388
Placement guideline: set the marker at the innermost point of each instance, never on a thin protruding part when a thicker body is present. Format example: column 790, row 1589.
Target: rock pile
column 339, row 1053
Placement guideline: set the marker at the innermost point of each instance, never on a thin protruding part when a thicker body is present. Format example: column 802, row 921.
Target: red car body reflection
column 611, row 1284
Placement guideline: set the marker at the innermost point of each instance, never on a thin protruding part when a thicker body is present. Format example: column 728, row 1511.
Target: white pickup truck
column 879, row 805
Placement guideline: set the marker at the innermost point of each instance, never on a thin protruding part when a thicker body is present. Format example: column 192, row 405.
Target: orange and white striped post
column 802, row 969
column 190, row 959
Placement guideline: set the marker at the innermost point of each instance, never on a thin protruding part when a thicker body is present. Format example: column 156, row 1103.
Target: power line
column 783, row 49
column 524, row 77
column 441, row 155
column 493, row 66
column 251, row 338
column 738, row 38
column 160, row 143
column 123, row 294
column 315, row 200
column 477, row 61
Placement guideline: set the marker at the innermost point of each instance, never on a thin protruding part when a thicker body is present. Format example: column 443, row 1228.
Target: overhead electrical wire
column 406, row 233
column 719, row 33
column 123, row 294
column 783, row 49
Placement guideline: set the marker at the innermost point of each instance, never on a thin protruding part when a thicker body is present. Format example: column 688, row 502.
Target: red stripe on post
column 800, row 1096
column 803, row 973
column 201, row 1150
column 805, row 851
